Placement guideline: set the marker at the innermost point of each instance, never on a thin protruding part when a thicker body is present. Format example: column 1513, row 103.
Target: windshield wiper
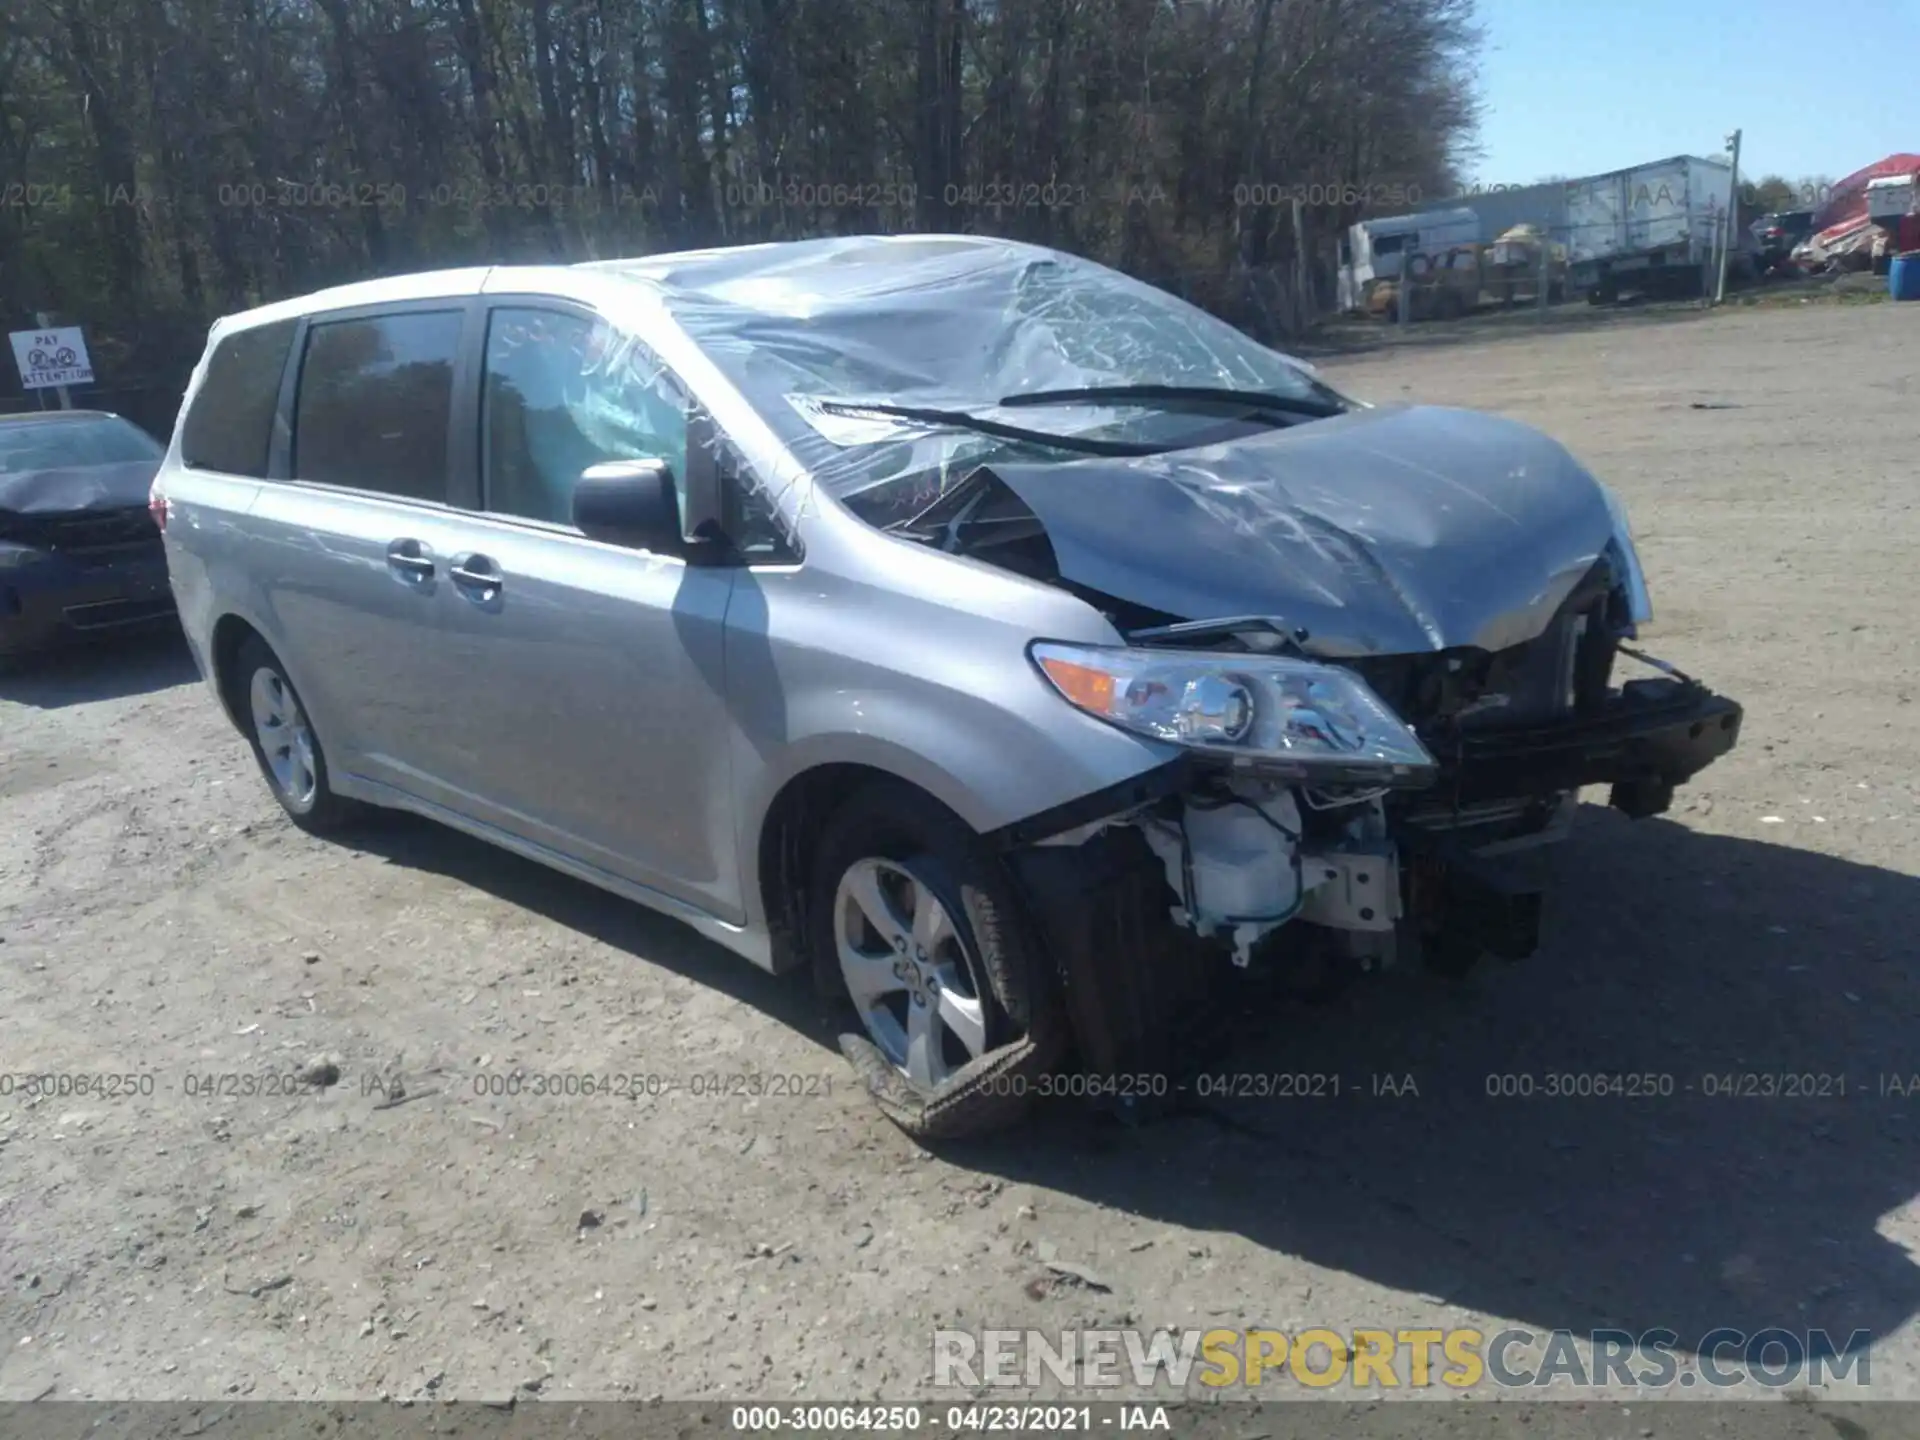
column 961, row 420
column 1176, row 394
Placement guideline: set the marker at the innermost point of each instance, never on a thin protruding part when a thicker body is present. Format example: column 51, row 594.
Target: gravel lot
column 159, row 919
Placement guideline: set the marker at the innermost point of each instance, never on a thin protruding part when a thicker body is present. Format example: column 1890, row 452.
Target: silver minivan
column 1020, row 648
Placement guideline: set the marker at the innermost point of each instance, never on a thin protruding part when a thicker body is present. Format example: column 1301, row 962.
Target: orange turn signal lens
column 1085, row 686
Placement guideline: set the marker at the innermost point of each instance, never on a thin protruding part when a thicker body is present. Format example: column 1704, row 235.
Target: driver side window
column 563, row 392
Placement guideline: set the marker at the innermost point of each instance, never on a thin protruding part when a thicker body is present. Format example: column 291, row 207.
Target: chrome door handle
column 410, row 561
column 477, row 572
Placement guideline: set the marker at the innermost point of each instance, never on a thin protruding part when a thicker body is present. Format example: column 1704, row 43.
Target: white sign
column 52, row 357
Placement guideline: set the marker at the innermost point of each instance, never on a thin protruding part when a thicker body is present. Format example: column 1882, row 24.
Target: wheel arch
column 994, row 762
column 782, row 854
column 230, row 632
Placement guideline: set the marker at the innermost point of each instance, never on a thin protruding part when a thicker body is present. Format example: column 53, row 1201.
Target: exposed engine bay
column 1322, row 885
column 1435, row 865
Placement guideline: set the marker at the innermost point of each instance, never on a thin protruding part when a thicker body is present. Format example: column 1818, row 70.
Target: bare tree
column 215, row 153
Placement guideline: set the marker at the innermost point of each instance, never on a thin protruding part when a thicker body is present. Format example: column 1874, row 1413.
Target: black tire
column 894, row 822
column 1451, row 956
column 319, row 812
column 1318, row 970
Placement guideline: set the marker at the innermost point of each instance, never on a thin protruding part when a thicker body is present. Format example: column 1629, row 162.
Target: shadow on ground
column 1757, row 999
column 132, row 664
column 1690, row 960
column 403, row 839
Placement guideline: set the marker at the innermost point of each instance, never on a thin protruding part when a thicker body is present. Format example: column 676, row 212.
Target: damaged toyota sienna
column 1014, row 646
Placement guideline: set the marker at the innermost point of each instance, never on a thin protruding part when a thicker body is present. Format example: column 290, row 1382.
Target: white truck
column 1375, row 250
column 1653, row 228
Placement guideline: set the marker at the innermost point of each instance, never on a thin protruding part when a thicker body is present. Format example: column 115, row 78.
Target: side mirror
column 629, row 502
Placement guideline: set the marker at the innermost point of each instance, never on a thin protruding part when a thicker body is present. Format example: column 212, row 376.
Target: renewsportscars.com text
column 1383, row 1359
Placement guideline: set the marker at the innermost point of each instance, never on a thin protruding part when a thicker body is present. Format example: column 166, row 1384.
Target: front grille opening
column 85, row 535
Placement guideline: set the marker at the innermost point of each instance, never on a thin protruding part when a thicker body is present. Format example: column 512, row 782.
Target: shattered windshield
column 961, row 326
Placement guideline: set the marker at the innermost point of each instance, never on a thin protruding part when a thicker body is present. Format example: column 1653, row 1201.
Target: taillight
column 159, row 507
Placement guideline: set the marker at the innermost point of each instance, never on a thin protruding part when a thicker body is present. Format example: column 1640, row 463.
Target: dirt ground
column 181, row 1239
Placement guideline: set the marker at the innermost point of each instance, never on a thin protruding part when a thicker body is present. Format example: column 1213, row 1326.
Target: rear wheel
column 917, row 923
column 284, row 744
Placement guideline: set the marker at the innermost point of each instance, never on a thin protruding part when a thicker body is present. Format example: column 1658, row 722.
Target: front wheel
column 918, row 924
column 284, row 744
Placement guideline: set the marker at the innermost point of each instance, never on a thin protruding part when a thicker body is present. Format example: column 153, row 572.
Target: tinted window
column 231, row 419
column 53, row 444
column 564, row 392
column 375, row 396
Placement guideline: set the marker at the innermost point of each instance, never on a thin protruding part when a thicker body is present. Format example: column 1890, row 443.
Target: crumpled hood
column 69, row 489
column 1381, row 532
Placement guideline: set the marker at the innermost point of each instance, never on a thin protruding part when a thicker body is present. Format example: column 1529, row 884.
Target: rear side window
column 231, row 420
column 374, row 402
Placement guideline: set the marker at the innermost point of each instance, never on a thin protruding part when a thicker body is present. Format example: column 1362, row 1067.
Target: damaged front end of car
column 1342, row 801
column 1433, row 853
column 80, row 556
column 1364, row 655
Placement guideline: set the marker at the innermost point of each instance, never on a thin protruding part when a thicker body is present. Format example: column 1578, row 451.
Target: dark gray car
column 79, row 554
column 1015, row 645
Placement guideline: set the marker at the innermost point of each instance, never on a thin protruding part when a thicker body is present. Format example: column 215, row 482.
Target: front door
column 582, row 698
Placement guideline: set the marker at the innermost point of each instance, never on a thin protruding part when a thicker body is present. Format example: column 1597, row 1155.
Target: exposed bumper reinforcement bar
column 1654, row 735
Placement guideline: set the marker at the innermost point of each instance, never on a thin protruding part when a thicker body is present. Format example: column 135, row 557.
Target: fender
column 993, row 773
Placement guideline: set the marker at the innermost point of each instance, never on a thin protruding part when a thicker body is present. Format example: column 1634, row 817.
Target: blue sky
column 1575, row 87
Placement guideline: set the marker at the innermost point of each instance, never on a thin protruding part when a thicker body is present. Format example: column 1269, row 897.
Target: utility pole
column 1733, row 218
column 1543, row 284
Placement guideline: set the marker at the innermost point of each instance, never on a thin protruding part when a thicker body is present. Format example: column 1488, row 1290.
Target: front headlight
column 1320, row 723
column 1626, row 564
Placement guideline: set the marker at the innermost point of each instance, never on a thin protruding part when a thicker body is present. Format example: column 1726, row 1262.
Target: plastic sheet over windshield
column 957, row 324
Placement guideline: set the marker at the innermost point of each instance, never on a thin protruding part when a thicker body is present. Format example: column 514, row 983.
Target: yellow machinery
column 1444, row 286
column 1513, row 265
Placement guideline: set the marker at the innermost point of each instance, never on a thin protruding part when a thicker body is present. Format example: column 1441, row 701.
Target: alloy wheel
column 285, row 738
column 908, row 970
